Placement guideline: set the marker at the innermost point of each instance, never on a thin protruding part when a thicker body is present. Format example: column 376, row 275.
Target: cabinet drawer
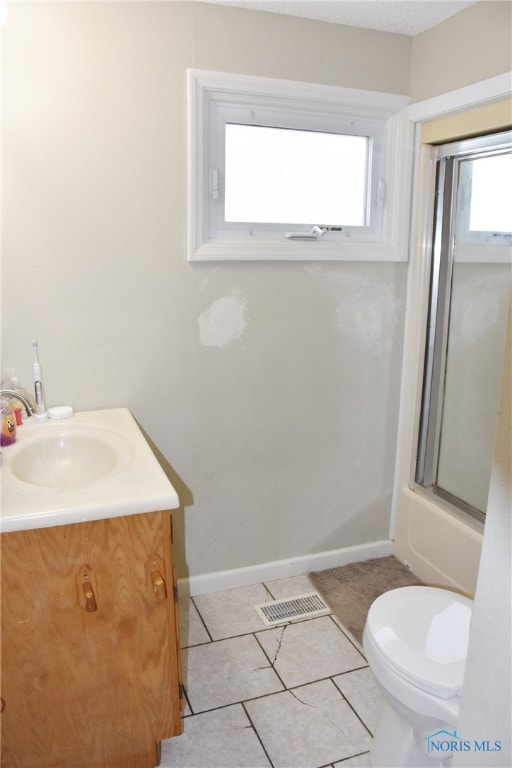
column 90, row 669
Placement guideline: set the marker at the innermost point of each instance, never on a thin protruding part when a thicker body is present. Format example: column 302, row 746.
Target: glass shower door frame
column 448, row 159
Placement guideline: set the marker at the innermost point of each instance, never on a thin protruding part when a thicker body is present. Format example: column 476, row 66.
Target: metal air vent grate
column 293, row 608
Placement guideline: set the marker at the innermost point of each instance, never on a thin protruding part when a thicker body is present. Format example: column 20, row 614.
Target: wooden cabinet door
column 90, row 670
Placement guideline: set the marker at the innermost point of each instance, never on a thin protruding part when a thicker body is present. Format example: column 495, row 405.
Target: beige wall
column 280, row 435
column 488, row 118
column 471, row 46
column 248, row 42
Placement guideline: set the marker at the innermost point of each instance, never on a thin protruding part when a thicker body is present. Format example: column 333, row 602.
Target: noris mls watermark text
column 445, row 742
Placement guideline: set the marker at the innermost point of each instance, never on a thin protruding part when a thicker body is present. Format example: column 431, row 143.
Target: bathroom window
column 469, row 298
column 281, row 170
column 483, row 206
column 275, row 175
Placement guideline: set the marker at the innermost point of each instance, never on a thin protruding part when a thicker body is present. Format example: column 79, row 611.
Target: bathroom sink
column 94, row 465
column 65, row 459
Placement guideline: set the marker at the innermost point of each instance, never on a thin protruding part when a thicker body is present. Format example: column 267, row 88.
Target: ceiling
column 405, row 17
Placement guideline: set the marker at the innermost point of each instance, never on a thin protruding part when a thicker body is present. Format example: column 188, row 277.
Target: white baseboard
column 280, row 569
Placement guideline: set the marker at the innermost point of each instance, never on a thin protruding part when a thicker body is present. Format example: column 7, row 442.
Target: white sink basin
column 65, row 459
column 95, row 465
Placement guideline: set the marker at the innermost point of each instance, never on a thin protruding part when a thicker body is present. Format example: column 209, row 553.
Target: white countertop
column 135, row 484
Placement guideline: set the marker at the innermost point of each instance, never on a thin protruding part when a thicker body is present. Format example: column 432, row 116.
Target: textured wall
column 471, row 46
column 271, row 390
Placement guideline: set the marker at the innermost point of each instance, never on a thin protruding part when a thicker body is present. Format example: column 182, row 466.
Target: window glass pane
column 491, row 194
column 279, row 175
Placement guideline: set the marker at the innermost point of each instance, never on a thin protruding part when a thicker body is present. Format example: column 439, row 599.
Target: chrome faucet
column 24, row 397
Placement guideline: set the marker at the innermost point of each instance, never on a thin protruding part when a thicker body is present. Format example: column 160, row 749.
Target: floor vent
column 292, row 609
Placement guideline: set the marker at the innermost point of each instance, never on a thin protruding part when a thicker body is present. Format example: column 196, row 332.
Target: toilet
column 415, row 641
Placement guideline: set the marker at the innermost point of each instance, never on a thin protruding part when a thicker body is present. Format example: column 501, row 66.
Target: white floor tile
column 360, row 761
column 192, row 630
column 226, row 672
column 293, row 585
column 309, row 650
column 360, row 689
column 223, row 738
column 309, row 727
column 231, row 613
column 186, row 711
column 348, row 634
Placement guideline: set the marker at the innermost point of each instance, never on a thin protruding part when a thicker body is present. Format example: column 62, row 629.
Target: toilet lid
column 422, row 633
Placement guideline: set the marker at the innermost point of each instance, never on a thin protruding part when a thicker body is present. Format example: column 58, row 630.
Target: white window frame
column 472, row 245
column 214, row 95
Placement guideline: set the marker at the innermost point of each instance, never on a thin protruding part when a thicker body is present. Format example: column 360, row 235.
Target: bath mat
column 350, row 589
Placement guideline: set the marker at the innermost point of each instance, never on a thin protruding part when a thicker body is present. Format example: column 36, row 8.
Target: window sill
column 284, row 250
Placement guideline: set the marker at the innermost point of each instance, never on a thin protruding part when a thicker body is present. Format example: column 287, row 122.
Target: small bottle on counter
column 8, row 434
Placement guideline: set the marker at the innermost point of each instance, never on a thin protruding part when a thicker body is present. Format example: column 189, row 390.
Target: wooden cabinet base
column 90, row 644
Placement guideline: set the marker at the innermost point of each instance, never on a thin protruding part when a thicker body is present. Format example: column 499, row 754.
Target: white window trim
column 477, row 246
column 204, row 85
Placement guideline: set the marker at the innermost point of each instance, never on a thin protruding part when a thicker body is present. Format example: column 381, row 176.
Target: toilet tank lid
column 423, row 633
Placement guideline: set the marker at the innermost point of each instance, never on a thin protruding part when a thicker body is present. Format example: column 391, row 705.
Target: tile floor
column 296, row 696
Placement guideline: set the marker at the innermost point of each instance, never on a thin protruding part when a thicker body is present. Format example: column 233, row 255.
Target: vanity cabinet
column 90, row 647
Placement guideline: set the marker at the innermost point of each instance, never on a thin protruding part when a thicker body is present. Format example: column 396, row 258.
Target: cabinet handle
column 87, row 588
column 159, row 586
column 89, row 597
column 155, row 577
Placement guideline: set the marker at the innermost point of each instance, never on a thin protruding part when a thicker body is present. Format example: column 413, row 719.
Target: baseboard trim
column 280, row 569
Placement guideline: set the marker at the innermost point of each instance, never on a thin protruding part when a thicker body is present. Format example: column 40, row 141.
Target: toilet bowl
column 415, row 641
